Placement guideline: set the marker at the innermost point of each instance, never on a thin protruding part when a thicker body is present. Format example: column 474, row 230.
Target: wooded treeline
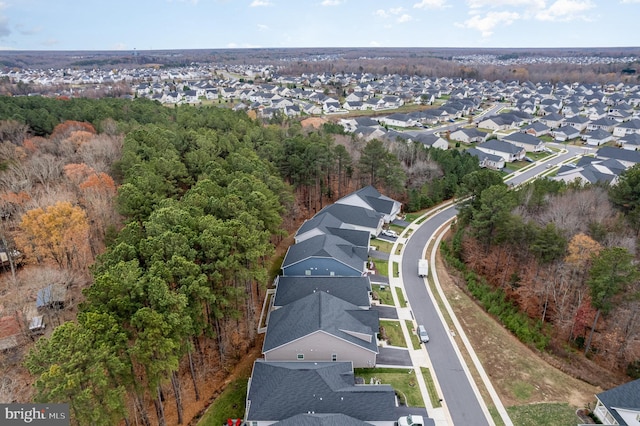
column 564, row 255
column 430, row 66
column 203, row 195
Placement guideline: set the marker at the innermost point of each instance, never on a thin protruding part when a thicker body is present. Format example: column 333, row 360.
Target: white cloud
column 262, row 27
column 374, row 43
column 257, row 3
column 476, row 4
column 331, row 2
column 566, row 10
column 405, row 17
column 491, row 20
column 430, row 4
column 394, row 11
column 119, row 46
column 630, row 1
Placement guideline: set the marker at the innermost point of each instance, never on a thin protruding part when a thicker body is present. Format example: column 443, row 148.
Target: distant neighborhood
column 593, row 115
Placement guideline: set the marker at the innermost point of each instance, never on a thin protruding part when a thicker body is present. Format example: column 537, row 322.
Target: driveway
column 398, row 357
column 385, row 312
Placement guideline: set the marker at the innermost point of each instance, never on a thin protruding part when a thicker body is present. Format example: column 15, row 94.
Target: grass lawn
column 431, row 388
column 385, row 296
column 397, row 228
column 402, row 380
column 393, row 331
column 560, row 414
column 415, row 341
column 382, row 245
column 230, row 404
column 401, row 299
column 396, row 269
column 410, row 217
column 399, row 249
column 382, row 267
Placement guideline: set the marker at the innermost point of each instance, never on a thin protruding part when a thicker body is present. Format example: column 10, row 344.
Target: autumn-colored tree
column 77, row 173
column 581, row 250
column 58, row 232
column 64, row 130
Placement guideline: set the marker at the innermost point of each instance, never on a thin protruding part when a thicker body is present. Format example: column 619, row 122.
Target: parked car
column 389, row 233
column 422, row 334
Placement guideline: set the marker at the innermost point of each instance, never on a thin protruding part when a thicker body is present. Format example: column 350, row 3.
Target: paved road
column 458, row 394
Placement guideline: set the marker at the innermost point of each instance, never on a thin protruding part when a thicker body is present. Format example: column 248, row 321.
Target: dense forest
column 556, row 263
column 161, row 224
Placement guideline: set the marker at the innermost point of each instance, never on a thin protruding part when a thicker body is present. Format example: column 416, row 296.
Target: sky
column 213, row 24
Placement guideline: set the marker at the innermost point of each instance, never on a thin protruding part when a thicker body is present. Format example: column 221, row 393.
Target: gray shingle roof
column 618, row 154
column 501, row 146
column 318, row 419
column 377, row 201
column 353, row 215
column 321, row 311
column 524, row 138
column 280, row 390
column 327, row 246
column 354, row 290
column 624, row 396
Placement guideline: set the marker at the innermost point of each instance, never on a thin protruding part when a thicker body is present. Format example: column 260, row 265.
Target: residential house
column 620, row 405
column 354, row 290
column 353, row 106
column 325, row 255
column 626, row 157
column 630, row 142
column 431, row 141
column 356, row 217
column 537, row 129
column 525, row 140
column 504, row 149
column 566, row 133
column 486, row 160
column 322, row 224
column 351, row 124
column 469, row 135
column 398, row 120
column 578, row 121
column 590, row 170
column 553, row 120
column 369, row 133
column 505, row 121
column 371, row 199
column 627, row 128
column 607, row 124
column 282, row 390
column 597, row 137
column 321, row 327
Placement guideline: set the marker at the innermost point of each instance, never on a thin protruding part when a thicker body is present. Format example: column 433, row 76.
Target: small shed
column 52, row 296
column 37, row 324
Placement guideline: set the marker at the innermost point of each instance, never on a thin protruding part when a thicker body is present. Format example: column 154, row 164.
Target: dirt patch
column 315, row 122
column 519, row 374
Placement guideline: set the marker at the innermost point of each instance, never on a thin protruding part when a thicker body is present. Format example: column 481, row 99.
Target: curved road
column 459, row 397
